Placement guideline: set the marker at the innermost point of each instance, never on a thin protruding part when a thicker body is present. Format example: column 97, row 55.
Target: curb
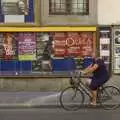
column 47, row 106
column 10, row 106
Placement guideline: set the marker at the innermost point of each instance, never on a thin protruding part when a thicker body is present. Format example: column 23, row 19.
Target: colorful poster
column 76, row 44
column 27, row 46
column 8, row 46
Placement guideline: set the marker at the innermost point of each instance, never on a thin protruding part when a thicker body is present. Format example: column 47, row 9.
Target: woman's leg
column 94, row 97
column 93, row 86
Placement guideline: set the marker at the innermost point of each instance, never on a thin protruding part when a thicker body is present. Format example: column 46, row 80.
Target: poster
column 117, row 50
column 105, row 45
column 8, row 50
column 1, row 46
column 16, row 11
column 27, row 46
column 116, row 64
column 117, row 36
column 44, row 52
column 76, row 44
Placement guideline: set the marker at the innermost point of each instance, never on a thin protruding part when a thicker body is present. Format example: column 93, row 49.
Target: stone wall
column 42, row 84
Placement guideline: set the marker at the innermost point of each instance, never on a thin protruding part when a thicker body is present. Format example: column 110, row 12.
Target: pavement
column 29, row 99
column 38, row 99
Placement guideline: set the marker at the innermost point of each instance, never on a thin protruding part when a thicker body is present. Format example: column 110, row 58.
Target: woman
column 100, row 76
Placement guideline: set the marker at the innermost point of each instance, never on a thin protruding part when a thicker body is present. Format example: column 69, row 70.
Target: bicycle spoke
column 71, row 99
column 109, row 97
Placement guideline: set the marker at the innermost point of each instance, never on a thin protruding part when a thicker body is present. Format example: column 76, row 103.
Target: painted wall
column 108, row 12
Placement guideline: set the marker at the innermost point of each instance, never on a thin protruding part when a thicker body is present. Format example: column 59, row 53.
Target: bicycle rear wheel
column 71, row 99
column 109, row 97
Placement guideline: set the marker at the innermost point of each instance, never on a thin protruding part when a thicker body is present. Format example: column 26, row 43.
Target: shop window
column 17, row 51
column 71, row 7
column 17, row 11
column 36, row 53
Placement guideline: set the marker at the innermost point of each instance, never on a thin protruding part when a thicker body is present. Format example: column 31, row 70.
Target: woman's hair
column 97, row 58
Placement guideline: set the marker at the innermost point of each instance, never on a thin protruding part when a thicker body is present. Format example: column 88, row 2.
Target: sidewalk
column 29, row 99
column 37, row 99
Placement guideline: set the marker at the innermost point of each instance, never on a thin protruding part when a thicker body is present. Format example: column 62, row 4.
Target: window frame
column 68, row 10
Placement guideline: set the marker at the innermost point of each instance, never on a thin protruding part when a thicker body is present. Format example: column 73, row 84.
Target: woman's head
column 98, row 58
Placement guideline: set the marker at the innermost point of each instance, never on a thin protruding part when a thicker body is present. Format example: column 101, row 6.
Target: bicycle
column 75, row 94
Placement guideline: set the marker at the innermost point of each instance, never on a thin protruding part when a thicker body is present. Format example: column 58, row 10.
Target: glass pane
column 79, row 6
column 58, row 6
column 68, row 6
column 78, row 1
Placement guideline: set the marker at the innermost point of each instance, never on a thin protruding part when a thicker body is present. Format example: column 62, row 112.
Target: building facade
column 37, row 36
column 60, row 28
column 109, row 18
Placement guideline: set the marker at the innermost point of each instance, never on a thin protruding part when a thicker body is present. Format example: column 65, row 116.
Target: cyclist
column 99, row 77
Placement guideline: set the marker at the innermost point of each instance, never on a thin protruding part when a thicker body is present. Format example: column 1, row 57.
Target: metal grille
column 61, row 7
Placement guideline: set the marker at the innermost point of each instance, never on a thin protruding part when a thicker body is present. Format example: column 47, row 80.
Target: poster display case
column 116, row 47
column 18, row 12
column 105, row 45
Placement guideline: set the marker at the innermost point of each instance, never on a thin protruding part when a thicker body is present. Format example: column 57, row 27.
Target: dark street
column 58, row 114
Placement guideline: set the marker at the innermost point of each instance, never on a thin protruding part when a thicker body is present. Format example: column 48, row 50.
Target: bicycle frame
column 81, row 85
column 84, row 88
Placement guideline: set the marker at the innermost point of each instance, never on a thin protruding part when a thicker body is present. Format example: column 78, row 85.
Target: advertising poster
column 117, row 65
column 27, row 46
column 76, row 44
column 117, row 36
column 44, row 52
column 105, row 46
column 117, row 51
column 1, row 46
column 16, row 11
column 9, row 46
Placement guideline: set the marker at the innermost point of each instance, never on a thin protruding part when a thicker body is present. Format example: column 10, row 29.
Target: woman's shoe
column 92, row 104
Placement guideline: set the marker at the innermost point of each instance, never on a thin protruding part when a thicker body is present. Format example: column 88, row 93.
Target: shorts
column 97, row 82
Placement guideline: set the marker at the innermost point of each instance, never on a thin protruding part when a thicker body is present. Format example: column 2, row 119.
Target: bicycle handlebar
column 76, row 73
column 79, row 73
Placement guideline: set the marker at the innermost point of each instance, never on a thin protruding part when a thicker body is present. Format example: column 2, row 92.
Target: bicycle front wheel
column 71, row 98
column 109, row 97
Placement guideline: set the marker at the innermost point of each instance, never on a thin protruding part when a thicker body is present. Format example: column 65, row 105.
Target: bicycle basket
column 75, row 77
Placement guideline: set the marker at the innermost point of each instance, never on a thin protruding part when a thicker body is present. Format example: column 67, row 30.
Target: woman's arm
column 90, row 68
